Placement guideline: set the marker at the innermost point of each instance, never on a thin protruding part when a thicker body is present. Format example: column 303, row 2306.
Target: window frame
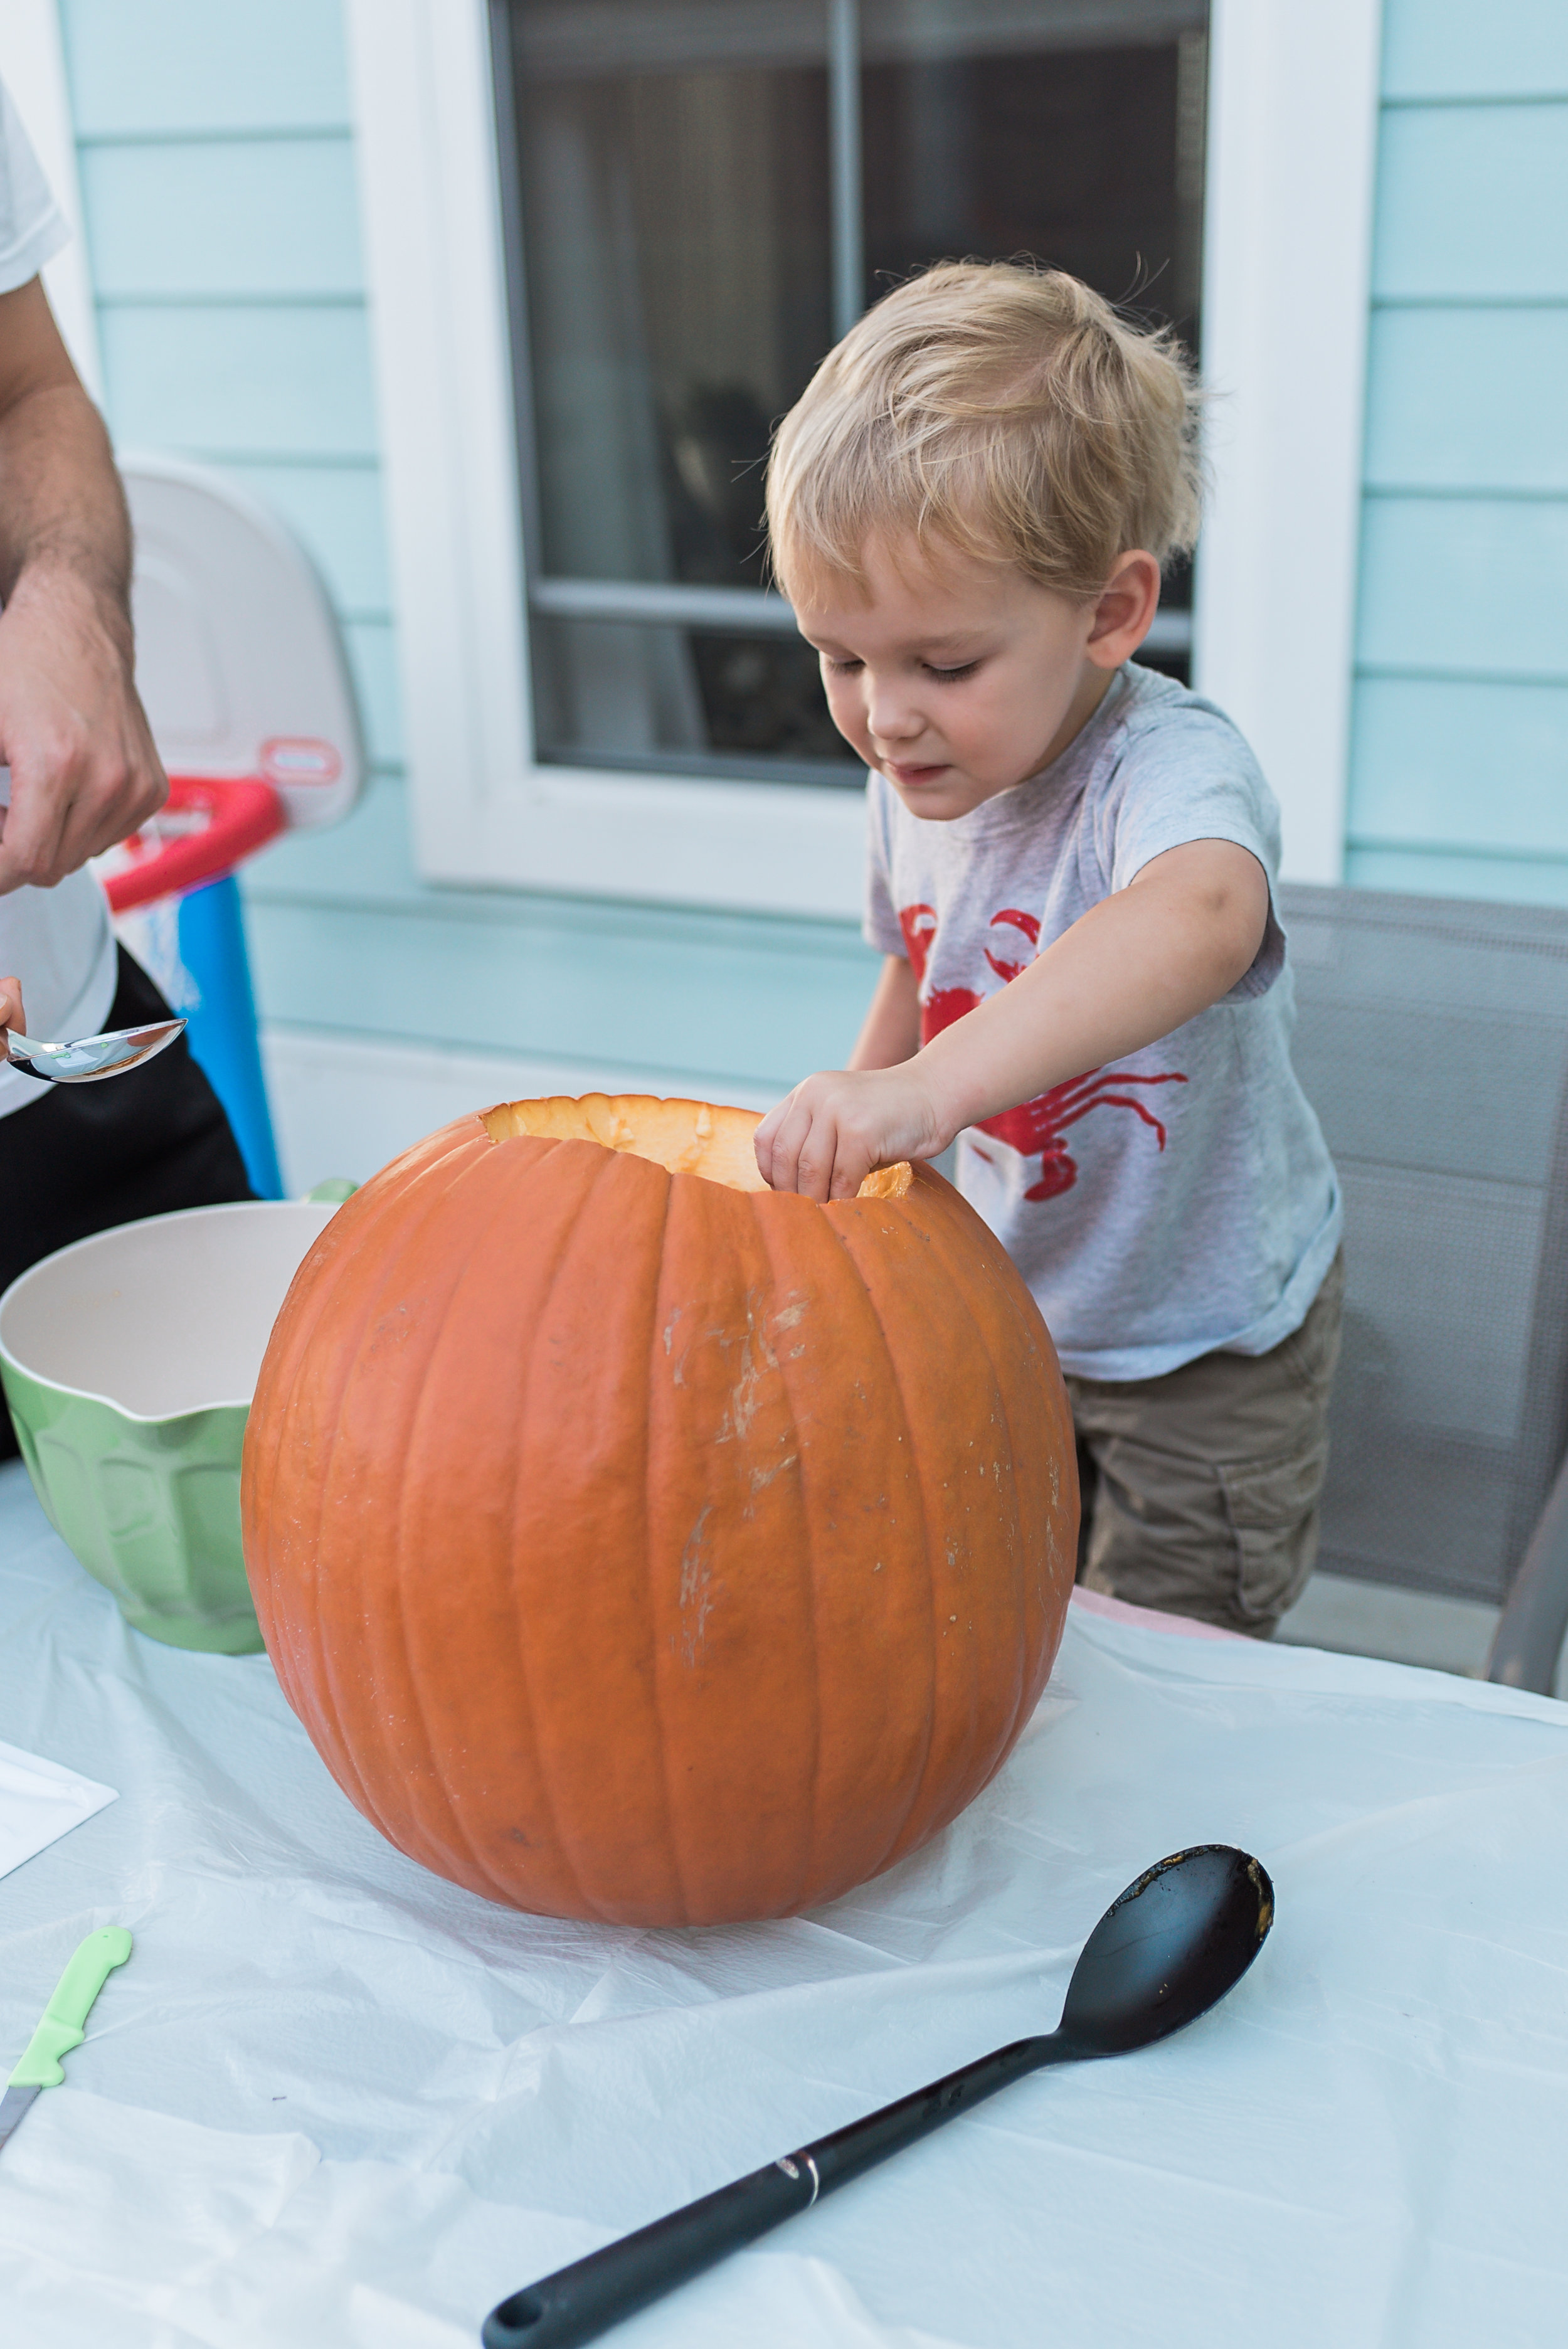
column 1292, row 134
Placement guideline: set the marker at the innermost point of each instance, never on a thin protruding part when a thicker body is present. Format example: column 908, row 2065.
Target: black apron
column 86, row 1156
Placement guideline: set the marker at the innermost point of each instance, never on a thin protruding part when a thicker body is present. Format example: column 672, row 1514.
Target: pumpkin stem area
column 684, row 1138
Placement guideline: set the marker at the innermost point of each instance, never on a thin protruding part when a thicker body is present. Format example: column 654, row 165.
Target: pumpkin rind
column 638, row 1547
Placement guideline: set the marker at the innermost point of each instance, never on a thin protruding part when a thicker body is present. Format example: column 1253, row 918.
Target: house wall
column 1459, row 746
column 217, row 167
column 216, row 153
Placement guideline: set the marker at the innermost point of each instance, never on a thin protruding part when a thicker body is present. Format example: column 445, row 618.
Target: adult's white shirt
column 57, row 941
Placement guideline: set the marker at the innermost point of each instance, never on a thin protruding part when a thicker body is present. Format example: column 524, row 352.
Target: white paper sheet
column 40, row 1802
column 334, row 2103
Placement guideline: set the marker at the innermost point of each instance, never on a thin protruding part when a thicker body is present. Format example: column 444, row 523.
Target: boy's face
column 959, row 681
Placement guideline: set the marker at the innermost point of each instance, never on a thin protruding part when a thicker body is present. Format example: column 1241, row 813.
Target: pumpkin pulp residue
column 686, row 1137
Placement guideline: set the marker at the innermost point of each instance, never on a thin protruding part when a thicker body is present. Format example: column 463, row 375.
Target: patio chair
column 1433, row 1043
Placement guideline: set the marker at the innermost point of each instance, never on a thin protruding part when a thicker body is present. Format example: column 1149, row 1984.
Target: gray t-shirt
column 1182, row 1199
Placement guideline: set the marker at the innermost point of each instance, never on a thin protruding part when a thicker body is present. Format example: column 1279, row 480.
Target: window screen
column 700, row 196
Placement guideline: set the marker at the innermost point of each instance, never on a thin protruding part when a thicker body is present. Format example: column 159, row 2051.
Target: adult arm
column 84, row 771
column 1136, row 966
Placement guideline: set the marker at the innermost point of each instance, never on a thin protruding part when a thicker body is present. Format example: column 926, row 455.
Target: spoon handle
column 579, row 2302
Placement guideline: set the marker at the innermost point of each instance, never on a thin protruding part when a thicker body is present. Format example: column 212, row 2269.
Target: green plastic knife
column 63, row 2022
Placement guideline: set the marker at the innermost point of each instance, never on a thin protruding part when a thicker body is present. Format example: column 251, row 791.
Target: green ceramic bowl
column 128, row 1361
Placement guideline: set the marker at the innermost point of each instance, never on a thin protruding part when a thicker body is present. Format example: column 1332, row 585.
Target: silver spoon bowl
column 90, row 1059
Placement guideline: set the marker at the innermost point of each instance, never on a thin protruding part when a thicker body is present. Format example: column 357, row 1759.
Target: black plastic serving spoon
column 1162, row 1954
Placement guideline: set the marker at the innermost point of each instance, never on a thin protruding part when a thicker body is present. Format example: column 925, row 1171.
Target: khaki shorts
column 1201, row 1488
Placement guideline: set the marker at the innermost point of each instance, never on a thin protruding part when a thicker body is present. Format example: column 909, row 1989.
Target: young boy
column 1072, row 862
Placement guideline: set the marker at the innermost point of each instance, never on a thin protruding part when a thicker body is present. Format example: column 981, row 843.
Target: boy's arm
column 890, row 1031
column 1135, row 967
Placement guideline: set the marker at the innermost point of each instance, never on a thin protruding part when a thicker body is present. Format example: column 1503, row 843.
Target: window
column 598, row 695
column 704, row 195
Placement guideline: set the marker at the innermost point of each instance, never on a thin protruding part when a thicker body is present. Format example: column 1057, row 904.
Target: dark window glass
column 684, row 215
column 1071, row 134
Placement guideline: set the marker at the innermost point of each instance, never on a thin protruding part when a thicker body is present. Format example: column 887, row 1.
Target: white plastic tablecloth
column 331, row 2102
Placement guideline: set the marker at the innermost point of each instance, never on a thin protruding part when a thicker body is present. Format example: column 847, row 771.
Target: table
column 331, row 2102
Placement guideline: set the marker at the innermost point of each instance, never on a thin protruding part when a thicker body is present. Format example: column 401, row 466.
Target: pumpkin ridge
column 421, row 1180
column 1000, row 1280
column 622, row 1177
column 932, row 1225
column 961, row 1290
column 373, row 1295
column 671, row 1832
column 283, row 1374
column 836, row 1226
column 259, row 1472
column 943, row 1237
column 424, row 1401
column 766, row 1224
column 701, row 1215
column 606, row 1161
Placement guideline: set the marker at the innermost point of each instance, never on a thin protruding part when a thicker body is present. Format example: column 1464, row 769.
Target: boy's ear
column 1124, row 609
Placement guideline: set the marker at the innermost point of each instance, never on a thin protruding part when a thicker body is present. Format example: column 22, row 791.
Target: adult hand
column 83, row 769
column 83, row 773
column 12, row 1015
column 834, row 1129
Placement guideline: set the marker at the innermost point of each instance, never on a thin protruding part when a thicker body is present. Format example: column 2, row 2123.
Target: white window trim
column 1292, row 162
column 33, row 64
column 1293, row 126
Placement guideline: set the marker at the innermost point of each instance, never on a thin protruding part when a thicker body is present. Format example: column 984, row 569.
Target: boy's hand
column 12, row 1015
column 1134, row 967
column 833, row 1131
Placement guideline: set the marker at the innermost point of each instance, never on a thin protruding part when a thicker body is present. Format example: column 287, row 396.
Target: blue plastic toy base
column 222, row 1030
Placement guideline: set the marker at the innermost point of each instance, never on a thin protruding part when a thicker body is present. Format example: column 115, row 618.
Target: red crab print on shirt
column 1036, row 1127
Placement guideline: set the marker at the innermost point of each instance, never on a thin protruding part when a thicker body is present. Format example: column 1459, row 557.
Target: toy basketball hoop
column 240, row 668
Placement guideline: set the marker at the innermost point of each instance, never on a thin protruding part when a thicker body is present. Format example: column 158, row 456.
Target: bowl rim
column 325, row 1209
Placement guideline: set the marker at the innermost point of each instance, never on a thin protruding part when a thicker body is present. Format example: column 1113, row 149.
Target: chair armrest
column 1534, row 1617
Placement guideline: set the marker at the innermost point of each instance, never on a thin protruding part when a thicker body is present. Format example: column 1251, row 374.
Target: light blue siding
column 372, row 659
column 1458, row 771
column 368, row 859
column 1456, row 49
column 1477, row 585
column 345, row 934
column 271, row 217
column 150, row 68
column 576, row 979
column 218, row 176
column 218, row 181
column 1471, row 201
column 1482, row 766
column 225, row 378
column 1455, row 399
column 1435, row 871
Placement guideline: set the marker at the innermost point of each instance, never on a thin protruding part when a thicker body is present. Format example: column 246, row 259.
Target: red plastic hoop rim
column 242, row 815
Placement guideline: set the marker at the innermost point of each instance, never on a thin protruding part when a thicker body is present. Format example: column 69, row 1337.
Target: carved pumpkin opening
column 684, row 1138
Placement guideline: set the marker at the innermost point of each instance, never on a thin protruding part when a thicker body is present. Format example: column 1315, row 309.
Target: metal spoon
column 92, row 1058
column 89, row 1059
column 1162, row 1955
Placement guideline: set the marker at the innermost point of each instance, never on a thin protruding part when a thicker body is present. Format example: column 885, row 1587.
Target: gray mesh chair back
column 1432, row 1040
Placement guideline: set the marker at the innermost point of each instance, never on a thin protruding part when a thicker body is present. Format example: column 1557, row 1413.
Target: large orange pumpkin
column 636, row 1542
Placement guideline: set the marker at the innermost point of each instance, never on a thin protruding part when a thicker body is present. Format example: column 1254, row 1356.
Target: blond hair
column 1002, row 411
